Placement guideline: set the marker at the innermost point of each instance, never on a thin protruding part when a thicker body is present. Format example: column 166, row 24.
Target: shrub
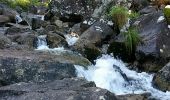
column 119, row 15
column 132, row 39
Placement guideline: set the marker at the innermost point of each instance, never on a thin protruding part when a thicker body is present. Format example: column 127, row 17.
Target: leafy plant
column 132, row 39
column 119, row 15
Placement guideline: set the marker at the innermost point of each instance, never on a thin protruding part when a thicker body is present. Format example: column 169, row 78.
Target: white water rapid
column 112, row 74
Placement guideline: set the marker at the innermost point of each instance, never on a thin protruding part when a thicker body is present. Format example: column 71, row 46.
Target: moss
column 167, row 14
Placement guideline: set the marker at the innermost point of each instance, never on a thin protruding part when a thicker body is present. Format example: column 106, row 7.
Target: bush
column 119, row 15
column 132, row 39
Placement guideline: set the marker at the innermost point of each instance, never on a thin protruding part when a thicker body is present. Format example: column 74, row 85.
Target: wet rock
column 55, row 40
column 92, row 38
column 66, row 89
column 155, row 37
column 162, row 78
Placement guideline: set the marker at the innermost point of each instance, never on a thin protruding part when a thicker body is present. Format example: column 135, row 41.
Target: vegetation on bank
column 132, row 39
column 25, row 4
column 120, row 16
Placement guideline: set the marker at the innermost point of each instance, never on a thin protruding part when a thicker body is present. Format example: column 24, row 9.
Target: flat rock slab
column 66, row 89
column 35, row 66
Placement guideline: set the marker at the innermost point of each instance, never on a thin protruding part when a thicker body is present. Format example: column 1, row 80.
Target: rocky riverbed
column 72, row 50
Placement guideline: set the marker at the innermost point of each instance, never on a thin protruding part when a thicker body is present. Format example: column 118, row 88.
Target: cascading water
column 42, row 46
column 18, row 19
column 112, row 74
column 42, row 42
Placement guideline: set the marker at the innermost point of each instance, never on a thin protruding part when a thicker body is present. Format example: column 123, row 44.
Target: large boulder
column 73, row 10
column 28, row 66
column 93, row 38
column 162, row 78
column 154, row 51
column 66, row 89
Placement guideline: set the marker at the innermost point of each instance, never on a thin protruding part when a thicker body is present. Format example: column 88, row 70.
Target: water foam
column 71, row 40
column 110, row 73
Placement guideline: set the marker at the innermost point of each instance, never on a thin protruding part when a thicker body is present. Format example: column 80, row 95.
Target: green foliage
column 167, row 14
column 119, row 15
column 132, row 39
column 25, row 4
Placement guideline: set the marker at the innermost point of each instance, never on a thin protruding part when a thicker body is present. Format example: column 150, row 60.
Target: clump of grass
column 167, row 14
column 132, row 39
column 119, row 15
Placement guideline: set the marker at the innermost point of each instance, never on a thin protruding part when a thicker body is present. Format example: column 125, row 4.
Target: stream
column 112, row 74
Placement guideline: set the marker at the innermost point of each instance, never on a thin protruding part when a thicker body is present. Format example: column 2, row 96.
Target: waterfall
column 42, row 42
column 112, row 74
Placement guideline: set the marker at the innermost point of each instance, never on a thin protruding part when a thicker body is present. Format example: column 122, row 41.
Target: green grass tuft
column 119, row 15
column 132, row 39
